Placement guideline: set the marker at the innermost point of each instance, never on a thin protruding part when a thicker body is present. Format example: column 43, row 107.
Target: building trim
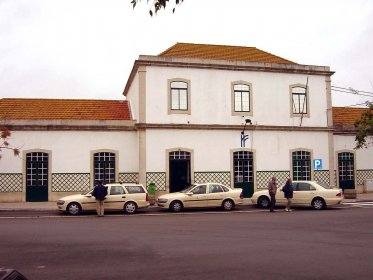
column 141, row 126
column 147, row 60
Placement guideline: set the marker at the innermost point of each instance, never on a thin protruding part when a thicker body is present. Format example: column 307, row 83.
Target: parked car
column 306, row 193
column 121, row 196
column 202, row 195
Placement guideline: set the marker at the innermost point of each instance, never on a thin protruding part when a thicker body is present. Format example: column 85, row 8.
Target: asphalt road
column 304, row 244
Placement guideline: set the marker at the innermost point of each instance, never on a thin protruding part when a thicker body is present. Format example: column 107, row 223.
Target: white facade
column 171, row 147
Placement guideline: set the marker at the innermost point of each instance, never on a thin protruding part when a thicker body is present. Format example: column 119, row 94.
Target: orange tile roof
column 346, row 116
column 220, row 52
column 63, row 109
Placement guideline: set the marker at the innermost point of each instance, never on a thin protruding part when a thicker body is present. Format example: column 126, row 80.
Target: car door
column 88, row 201
column 197, row 197
column 137, row 194
column 303, row 193
column 280, row 196
column 215, row 195
column 115, row 198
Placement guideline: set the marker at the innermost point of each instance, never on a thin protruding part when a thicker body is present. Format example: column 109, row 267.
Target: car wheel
column 228, row 205
column 318, row 203
column 263, row 202
column 74, row 208
column 176, row 206
column 130, row 207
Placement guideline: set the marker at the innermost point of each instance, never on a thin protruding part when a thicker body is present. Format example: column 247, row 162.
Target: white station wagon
column 306, row 193
column 121, row 196
column 202, row 195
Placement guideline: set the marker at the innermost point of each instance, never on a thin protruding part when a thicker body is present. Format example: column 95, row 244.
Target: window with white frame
column 299, row 100
column 242, row 100
column 179, row 96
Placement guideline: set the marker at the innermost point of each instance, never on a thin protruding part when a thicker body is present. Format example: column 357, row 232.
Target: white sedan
column 121, row 196
column 307, row 193
column 202, row 195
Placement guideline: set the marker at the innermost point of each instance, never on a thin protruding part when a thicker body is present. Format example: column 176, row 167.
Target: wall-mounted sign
column 317, row 164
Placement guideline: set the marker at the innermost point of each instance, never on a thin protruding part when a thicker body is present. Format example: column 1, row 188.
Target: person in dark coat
column 288, row 193
column 272, row 190
column 99, row 192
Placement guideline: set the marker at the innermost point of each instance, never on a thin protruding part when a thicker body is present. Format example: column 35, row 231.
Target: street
column 336, row 243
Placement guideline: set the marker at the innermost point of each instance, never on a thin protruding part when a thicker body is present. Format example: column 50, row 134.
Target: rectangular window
column 299, row 99
column 241, row 98
column 179, row 96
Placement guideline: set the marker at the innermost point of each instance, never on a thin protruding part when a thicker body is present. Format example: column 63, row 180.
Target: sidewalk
column 51, row 205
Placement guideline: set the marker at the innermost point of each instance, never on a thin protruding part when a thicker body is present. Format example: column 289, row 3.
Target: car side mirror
column 88, row 195
column 189, row 193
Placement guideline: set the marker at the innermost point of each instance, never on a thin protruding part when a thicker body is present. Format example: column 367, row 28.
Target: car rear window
column 135, row 189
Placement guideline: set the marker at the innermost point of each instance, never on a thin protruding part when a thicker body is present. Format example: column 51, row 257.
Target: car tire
column 73, row 208
column 263, row 202
column 176, row 206
column 318, row 203
column 228, row 205
column 130, row 207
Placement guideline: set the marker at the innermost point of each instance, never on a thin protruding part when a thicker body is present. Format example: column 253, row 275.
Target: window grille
column 243, row 167
column 104, row 167
column 301, row 165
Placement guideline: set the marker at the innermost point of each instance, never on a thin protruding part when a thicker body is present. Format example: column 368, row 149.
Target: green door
column 243, row 172
column 37, row 177
column 346, row 170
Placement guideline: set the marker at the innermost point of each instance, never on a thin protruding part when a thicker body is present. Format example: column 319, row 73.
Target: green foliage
column 365, row 129
column 157, row 5
column 4, row 144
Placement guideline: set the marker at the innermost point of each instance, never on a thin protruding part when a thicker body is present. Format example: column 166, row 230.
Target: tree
column 157, row 5
column 4, row 144
column 365, row 129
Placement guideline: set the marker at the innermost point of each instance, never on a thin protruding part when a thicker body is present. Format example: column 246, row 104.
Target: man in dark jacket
column 288, row 193
column 99, row 192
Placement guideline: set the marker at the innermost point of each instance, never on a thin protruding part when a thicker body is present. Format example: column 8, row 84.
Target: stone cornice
column 142, row 126
column 145, row 60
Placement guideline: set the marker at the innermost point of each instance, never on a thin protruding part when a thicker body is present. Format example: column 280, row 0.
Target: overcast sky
column 86, row 48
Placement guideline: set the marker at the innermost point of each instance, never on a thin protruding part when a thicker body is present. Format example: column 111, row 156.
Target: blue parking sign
column 317, row 164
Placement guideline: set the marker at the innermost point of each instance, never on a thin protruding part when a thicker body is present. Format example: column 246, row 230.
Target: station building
column 194, row 113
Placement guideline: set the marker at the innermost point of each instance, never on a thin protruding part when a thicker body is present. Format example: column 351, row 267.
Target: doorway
column 346, row 170
column 37, row 174
column 179, row 170
column 243, row 164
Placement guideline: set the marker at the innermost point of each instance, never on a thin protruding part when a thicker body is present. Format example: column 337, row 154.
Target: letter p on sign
column 317, row 164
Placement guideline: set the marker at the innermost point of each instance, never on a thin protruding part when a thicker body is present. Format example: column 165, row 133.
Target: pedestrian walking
column 288, row 193
column 99, row 192
column 272, row 189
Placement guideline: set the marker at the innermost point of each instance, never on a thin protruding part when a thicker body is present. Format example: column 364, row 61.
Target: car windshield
column 186, row 190
column 325, row 186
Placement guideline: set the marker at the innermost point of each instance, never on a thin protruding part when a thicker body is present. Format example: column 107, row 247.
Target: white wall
column 211, row 96
column 212, row 149
column 71, row 150
column 364, row 157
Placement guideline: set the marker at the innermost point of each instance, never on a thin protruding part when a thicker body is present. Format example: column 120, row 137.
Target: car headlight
column 60, row 202
column 162, row 200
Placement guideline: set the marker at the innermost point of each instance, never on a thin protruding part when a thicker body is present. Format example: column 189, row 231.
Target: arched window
column 242, row 98
column 179, row 96
column 301, row 165
column 104, row 167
